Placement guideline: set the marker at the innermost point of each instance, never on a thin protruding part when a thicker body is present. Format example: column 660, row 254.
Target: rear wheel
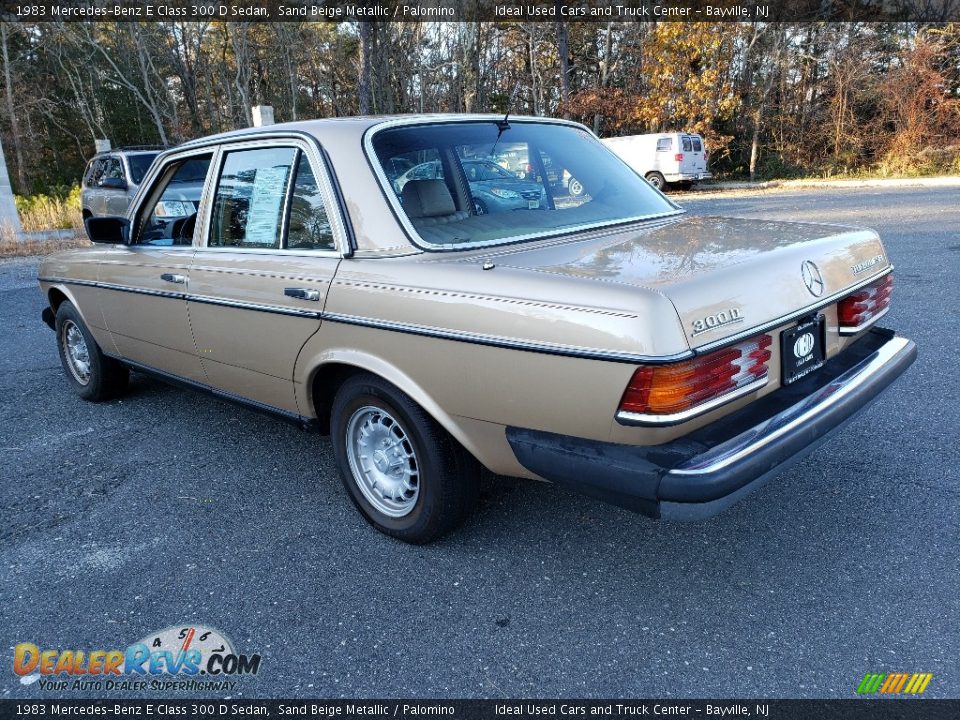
column 404, row 472
column 657, row 180
column 91, row 374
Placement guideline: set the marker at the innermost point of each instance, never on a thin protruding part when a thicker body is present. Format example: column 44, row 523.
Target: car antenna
column 504, row 124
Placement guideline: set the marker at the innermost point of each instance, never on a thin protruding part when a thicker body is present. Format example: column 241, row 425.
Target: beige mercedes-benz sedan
column 342, row 274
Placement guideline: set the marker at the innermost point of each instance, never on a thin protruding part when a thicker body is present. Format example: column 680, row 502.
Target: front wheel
column 93, row 375
column 657, row 180
column 404, row 473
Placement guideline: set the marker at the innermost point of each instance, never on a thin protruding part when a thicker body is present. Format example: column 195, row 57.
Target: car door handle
column 302, row 293
column 170, row 277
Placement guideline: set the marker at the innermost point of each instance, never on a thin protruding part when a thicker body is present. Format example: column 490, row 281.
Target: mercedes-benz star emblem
column 812, row 278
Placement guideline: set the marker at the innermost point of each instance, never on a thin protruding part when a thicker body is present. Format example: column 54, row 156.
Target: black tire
column 105, row 378
column 448, row 476
column 657, row 180
column 480, row 207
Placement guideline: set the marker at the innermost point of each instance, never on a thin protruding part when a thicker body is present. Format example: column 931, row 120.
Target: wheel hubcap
column 77, row 353
column 383, row 462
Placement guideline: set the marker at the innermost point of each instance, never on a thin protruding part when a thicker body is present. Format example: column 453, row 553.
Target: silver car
column 111, row 179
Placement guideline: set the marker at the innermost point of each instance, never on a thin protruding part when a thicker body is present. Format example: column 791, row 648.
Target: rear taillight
column 861, row 308
column 678, row 157
column 663, row 390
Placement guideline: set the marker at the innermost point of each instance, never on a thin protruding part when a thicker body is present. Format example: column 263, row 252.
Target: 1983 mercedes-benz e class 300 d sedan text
column 604, row 340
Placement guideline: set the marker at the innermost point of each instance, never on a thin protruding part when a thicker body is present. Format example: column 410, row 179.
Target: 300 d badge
column 711, row 322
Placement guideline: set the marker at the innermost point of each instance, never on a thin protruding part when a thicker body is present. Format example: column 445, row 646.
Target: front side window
column 536, row 178
column 250, row 201
column 172, row 218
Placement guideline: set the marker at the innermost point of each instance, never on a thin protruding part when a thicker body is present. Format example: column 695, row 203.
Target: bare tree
column 363, row 89
column 11, row 110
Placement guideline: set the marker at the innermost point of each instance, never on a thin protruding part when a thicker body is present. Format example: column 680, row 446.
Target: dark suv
column 112, row 178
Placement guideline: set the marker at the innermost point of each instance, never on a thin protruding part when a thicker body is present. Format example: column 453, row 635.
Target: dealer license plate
column 802, row 349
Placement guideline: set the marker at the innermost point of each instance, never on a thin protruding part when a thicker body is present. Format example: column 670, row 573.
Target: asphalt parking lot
column 167, row 507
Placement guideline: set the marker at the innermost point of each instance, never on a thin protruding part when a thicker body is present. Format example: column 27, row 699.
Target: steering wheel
column 182, row 230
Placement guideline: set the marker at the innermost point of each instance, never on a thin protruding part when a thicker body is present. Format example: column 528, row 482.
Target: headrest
column 427, row 198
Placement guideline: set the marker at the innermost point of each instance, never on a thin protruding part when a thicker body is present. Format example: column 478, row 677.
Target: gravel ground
column 167, row 508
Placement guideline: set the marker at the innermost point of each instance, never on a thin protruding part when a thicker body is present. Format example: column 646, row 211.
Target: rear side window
column 665, row 144
column 697, row 145
column 249, row 204
column 687, row 146
column 113, row 169
column 309, row 226
column 93, row 174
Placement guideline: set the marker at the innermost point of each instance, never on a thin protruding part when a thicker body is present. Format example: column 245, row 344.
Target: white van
column 664, row 158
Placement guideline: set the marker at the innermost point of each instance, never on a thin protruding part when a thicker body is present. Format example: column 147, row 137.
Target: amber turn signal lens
column 677, row 387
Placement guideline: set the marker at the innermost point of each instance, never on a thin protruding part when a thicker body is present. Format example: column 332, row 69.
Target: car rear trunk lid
column 724, row 276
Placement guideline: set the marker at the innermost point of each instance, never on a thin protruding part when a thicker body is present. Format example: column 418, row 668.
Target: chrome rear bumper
column 708, row 470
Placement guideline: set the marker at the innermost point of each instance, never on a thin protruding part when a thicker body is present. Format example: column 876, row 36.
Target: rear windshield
column 139, row 164
column 469, row 184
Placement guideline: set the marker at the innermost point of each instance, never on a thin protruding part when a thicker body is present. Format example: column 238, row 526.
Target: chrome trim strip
column 806, row 410
column 64, row 281
column 494, row 341
column 860, row 328
column 276, row 309
column 457, row 336
column 819, row 305
column 374, row 162
column 187, row 297
column 646, row 419
column 142, row 291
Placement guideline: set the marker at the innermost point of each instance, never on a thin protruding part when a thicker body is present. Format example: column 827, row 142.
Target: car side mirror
column 109, row 229
column 114, row 183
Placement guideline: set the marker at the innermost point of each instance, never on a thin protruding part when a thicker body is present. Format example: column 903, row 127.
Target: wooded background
column 773, row 100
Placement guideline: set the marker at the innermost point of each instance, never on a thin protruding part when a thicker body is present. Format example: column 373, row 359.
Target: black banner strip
column 921, row 11
column 872, row 708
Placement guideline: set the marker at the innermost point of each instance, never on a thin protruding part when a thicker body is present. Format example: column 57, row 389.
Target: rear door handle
column 170, row 277
column 302, row 293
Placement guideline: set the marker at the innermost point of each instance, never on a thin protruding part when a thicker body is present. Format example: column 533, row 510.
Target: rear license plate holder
column 802, row 349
